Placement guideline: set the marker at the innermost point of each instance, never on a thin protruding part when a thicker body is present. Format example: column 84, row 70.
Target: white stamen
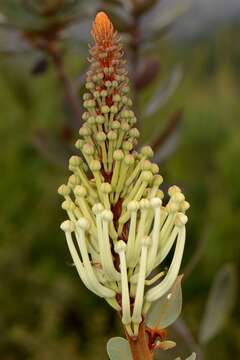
column 120, row 248
column 137, row 310
column 159, row 290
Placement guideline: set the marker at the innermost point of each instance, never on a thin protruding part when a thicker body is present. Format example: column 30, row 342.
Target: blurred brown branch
column 173, row 123
column 71, row 96
column 181, row 328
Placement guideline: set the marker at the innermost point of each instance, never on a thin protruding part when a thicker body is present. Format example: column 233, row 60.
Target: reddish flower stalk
column 140, row 345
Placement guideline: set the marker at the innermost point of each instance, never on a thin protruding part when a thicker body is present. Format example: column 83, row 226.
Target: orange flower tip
column 102, row 29
column 102, row 19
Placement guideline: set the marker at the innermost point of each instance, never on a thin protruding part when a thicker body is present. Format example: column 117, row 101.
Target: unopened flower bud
column 80, row 191
column 118, row 155
column 75, row 160
column 147, row 151
column 95, row 165
column 64, row 190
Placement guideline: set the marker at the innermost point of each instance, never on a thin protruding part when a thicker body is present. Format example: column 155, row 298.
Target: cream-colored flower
column 120, row 229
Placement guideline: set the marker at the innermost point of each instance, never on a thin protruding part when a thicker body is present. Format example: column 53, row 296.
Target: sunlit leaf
column 219, row 304
column 118, row 349
column 167, row 309
column 164, row 91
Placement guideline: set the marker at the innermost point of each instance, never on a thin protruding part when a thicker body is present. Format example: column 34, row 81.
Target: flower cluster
column 119, row 229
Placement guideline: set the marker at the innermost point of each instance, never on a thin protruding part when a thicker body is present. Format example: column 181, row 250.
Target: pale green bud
column 147, row 151
column 75, row 160
column 95, row 165
column 105, row 109
column 100, row 119
column 118, row 155
column 64, row 190
column 80, row 191
column 101, row 136
column 88, row 149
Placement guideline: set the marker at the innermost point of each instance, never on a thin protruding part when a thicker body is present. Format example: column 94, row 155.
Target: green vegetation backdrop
column 46, row 313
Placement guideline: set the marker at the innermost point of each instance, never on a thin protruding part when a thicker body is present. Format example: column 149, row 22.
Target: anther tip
column 106, row 188
column 80, row 191
column 64, row 190
column 97, row 208
column 83, row 223
column 156, row 202
column 67, row 226
column 144, row 204
column 133, row 206
column 181, row 219
column 120, row 246
column 107, row 215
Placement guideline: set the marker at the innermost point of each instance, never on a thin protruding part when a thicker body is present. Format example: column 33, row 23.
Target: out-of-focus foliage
column 37, row 15
column 46, row 312
column 220, row 303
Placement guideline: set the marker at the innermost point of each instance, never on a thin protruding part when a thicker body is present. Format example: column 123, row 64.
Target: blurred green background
column 46, row 313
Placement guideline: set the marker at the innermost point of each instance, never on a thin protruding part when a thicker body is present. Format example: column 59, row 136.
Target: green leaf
column 219, row 304
column 167, row 309
column 118, row 349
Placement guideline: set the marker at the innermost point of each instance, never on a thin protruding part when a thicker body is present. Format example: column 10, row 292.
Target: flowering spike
column 118, row 219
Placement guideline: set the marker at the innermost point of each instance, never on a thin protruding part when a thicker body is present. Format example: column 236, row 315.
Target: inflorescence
column 119, row 230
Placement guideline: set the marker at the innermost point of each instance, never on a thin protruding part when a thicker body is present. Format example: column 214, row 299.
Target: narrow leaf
column 127, row 4
column 170, row 129
column 160, row 19
column 219, row 304
column 167, row 147
column 164, row 91
column 167, row 309
column 118, row 349
column 146, row 72
column 191, row 357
